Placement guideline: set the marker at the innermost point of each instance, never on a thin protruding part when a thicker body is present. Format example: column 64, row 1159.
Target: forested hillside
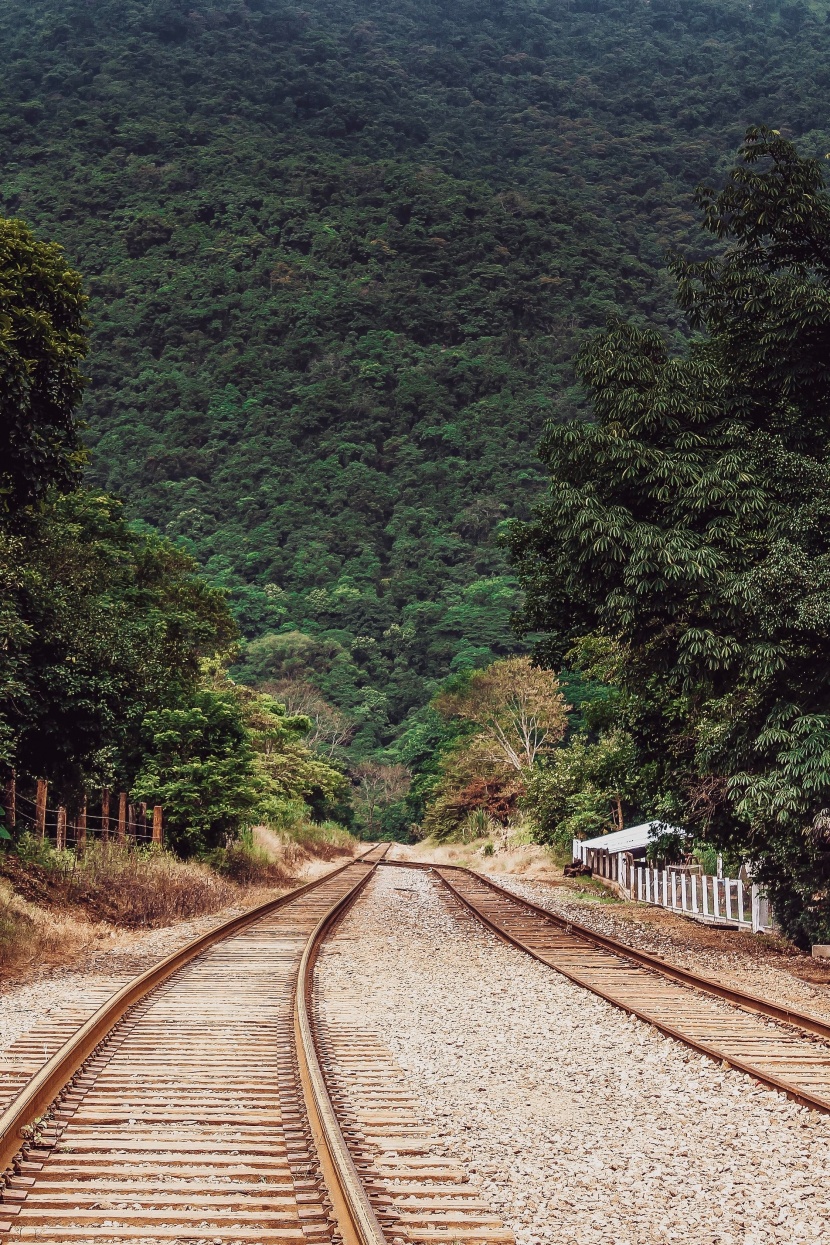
column 339, row 256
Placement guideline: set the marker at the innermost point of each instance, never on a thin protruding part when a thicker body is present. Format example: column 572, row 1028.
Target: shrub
column 123, row 883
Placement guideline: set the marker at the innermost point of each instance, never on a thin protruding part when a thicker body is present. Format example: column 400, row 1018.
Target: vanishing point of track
column 200, row 1103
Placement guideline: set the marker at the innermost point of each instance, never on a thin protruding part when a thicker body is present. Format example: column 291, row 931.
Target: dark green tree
column 687, row 522
column 200, row 765
column 101, row 624
column 42, row 342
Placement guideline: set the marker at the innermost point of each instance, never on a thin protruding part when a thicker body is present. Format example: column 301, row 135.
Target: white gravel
column 582, row 1126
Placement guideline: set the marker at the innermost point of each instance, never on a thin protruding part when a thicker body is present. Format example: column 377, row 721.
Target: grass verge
column 54, row 904
column 31, row 937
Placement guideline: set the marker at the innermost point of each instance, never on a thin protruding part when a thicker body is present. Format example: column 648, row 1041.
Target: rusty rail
column 601, row 981
column 356, row 1220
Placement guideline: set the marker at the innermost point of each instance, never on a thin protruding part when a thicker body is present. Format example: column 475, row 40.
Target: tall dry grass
column 294, row 848
column 136, row 888
column 32, row 937
column 118, row 882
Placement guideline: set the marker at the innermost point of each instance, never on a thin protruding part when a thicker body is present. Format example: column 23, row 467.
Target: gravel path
column 745, row 967
column 581, row 1126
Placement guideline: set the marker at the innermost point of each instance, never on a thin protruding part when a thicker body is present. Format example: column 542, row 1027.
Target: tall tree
column 688, row 522
column 518, row 710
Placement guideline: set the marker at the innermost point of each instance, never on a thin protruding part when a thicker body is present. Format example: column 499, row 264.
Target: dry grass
column 118, row 883
column 524, row 860
column 265, row 857
column 296, row 848
column 141, row 889
column 31, row 937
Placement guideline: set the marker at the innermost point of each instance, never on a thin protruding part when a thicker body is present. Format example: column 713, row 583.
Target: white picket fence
column 717, row 901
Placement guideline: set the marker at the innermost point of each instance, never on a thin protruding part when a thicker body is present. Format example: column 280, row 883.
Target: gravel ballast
column 672, row 936
column 580, row 1124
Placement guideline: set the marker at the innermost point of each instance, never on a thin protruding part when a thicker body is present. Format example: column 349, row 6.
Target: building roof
column 632, row 839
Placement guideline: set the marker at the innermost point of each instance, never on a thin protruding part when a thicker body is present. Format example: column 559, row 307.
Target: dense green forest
column 339, row 258
column 113, row 649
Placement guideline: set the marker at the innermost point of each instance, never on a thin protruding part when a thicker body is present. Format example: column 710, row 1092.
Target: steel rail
column 356, row 1219
column 344, row 1187
column 751, row 1002
column 748, row 1002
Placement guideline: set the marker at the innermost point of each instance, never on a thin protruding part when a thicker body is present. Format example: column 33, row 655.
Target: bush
column 125, row 884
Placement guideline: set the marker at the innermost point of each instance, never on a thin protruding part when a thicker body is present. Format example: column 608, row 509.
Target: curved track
column 779, row 1046
column 200, row 1104
column 191, row 1106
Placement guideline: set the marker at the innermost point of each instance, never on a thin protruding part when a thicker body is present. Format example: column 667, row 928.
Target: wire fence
column 108, row 817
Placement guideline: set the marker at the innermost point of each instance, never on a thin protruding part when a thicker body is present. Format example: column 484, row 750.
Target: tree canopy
column 339, row 257
column 687, row 523
column 42, row 343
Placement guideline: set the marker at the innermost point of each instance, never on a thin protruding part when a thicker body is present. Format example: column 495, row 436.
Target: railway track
column 191, row 1107
column 784, row 1048
column 210, row 1101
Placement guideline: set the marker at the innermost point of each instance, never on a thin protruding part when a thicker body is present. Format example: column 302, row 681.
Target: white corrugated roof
column 628, row 840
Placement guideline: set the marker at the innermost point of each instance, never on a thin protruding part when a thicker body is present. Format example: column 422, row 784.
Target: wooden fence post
column 157, row 831
column 122, row 817
column 40, row 809
column 10, row 803
column 105, row 815
column 80, row 826
column 60, row 834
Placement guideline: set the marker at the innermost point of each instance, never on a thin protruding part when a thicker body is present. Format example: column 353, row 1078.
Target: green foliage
column 584, row 789
column 686, row 528
column 339, row 256
column 42, row 341
column 199, row 764
column 423, row 748
column 104, row 628
column 101, row 624
column 229, row 758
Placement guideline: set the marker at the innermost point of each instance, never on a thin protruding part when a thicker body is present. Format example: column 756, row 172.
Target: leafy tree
column 200, row 765
column 424, row 748
column 518, row 710
column 583, row 789
column 291, row 770
column 378, row 787
column 231, row 757
column 329, row 730
column 102, row 624
column 42, row 343
column 687, row 524
column 491, row 727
